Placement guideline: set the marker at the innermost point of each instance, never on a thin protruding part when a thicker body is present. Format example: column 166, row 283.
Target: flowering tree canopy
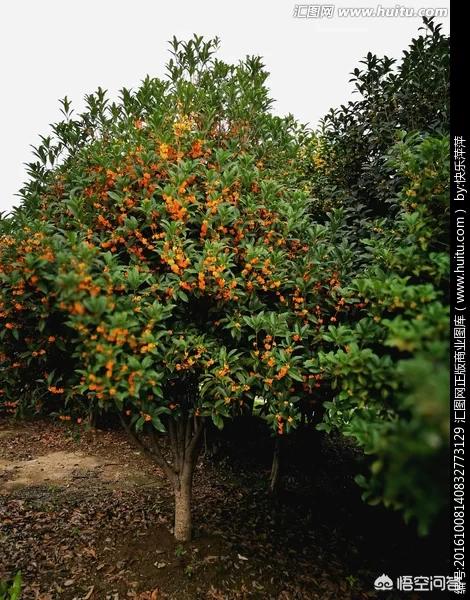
column 163, row 265
column 183, row 256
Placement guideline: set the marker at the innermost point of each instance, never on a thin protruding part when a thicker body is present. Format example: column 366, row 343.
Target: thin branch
column 180, row 436
column 154, row 452
column 174, row 445
column 199, row 428
column 169, row 470
column 188, row 432
column 134, row 438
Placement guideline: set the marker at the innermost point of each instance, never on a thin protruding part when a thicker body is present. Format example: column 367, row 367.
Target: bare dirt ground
column 86, row 517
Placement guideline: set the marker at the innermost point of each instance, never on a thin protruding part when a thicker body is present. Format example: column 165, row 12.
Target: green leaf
column 158, row 424
column 218, row 421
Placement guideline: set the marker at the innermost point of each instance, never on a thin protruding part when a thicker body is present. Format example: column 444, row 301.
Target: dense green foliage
column 385, row 159
column 350, row 165
column 389, row 365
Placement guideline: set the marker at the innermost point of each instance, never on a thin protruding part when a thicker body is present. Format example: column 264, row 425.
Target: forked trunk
column 185, row 435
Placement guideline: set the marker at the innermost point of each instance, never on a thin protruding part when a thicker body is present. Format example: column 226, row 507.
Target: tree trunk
column 275, row 467
column 183, row 517
column 185, row 439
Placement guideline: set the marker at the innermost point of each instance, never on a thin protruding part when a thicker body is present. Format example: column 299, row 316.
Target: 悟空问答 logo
column 383, row 583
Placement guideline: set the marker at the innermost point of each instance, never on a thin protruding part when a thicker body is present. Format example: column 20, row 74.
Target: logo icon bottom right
column 383, row 583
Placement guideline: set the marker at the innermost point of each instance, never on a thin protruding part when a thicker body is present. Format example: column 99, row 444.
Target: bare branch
column 199, row 428
column 188, row 432
column 180, row 435
column 174, row 445
column 153, row 452
column 160, row 459
column 134, row 437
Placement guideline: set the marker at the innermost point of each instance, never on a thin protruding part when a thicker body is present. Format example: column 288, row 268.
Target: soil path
column 64, row 468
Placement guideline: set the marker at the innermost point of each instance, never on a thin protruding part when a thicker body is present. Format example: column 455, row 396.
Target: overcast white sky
column 53, row 48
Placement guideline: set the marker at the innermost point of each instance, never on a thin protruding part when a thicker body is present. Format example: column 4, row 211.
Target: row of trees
column 182, row 256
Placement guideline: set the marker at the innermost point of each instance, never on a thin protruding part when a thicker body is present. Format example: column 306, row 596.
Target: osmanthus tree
column 164, row 267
